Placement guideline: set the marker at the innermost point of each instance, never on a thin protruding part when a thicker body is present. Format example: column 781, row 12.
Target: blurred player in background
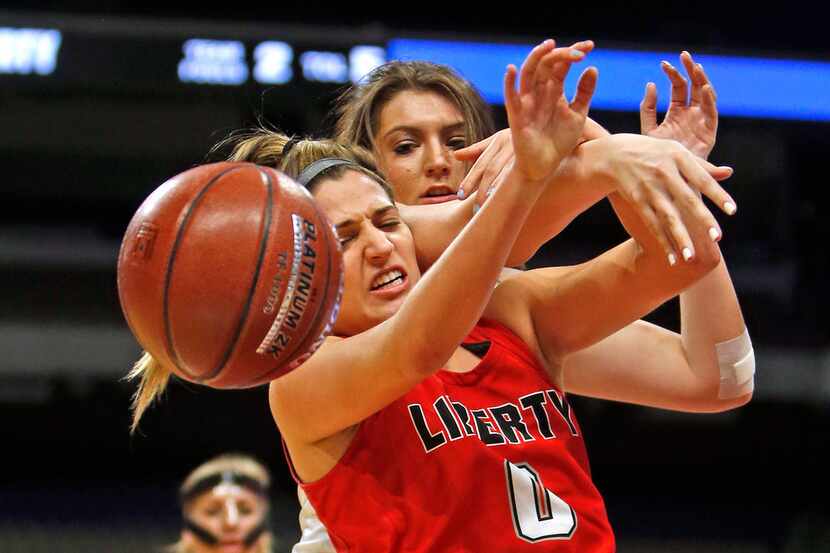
column 225, row 507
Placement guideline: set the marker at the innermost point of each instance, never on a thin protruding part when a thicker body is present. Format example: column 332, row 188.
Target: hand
column 544, row 127
column 691, row 120
column 491, row 156
column 661, row 180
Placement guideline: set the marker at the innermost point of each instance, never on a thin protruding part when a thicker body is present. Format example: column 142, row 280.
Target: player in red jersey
column 449, row 451
column 656, row 347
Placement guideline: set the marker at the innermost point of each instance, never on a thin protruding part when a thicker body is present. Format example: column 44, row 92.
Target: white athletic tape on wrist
column 736, row 360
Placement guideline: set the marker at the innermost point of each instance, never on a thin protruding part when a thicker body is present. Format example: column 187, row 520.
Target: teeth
column 386, row 278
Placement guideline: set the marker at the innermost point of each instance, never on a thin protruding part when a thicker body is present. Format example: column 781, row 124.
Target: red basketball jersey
column 490, row 460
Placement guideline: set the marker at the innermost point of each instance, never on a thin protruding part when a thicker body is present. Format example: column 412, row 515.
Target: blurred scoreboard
column 54, row 58
column 154, row 57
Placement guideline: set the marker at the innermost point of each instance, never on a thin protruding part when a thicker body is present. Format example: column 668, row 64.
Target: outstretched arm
column 709, row 365
column 347, row 380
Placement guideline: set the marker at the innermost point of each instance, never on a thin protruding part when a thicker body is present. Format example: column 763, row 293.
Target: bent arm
column 349, row 379
column 580, row 181
column 649, row 365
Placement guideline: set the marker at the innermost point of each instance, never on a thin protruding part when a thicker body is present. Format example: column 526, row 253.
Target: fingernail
column 672, row 260
column 476, row 207
column 461, row 194
column 687, row 254
column 714, row 234
column 664, row 62
column 730, row 208
column 577, row 55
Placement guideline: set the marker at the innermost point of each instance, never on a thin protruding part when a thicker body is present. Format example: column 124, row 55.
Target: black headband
column 226, row 477
column 314, row 169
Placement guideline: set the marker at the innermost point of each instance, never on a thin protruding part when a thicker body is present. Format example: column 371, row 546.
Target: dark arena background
column 100, row 103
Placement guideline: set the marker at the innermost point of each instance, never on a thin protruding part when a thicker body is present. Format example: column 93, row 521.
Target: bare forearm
column 710, row 314
column 463, row 278
column 580, row 182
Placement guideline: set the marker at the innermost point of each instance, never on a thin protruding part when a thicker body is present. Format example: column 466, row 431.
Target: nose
column 231, row 518
column 437, row 163
column 378, row 246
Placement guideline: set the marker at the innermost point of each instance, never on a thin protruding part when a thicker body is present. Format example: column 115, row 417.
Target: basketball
column 229, row 275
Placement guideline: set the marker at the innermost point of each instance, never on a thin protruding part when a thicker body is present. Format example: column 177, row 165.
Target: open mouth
column 388, row 279
column 438, row 194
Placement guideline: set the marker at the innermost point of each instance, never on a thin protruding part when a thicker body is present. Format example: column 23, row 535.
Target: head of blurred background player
column 225, row 507
column 412, row 116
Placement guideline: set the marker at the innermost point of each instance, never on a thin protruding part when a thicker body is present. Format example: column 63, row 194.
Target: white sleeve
column 314, row 538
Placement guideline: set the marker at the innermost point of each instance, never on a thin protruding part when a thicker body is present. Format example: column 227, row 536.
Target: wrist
column 597, row 164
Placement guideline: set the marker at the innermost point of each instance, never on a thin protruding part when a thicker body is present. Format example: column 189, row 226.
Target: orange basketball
column 229, row 275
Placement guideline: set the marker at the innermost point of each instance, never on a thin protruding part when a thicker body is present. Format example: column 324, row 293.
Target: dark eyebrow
column 379, row 212
column 415, row 130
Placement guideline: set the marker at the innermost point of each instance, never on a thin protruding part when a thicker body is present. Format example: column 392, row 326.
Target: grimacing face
column 229, row 512
column 418, row 131
column 379, row 263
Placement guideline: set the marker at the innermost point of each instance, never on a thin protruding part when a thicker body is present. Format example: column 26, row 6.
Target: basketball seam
column 244, row 316
column 168, row 333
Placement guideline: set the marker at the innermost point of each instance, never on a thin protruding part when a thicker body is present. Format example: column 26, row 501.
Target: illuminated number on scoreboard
column 538, row 513
column 272, row 62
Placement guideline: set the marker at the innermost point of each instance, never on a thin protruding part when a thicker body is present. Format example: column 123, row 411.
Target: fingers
column 556, row 64
column 500, row 161
column 648, row 109
column 697, row 77
column 484, row 192
column 697, row 173
column 531, row 63
column 708, row 106
column 585, row 46
column 585, row 91
column 511, row 98
column 487, row 166
column 702, row 71
column 473, row 151
column 679, row 85
column 673, row 227
column 657, row 230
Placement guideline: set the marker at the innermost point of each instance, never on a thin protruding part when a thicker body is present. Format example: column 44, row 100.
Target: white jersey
column 313, row 538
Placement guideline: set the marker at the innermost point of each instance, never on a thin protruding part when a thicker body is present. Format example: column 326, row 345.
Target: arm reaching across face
column 349, row 379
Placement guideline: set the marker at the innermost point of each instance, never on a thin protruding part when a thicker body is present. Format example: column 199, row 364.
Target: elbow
column 423, row 357
column 721, row 405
